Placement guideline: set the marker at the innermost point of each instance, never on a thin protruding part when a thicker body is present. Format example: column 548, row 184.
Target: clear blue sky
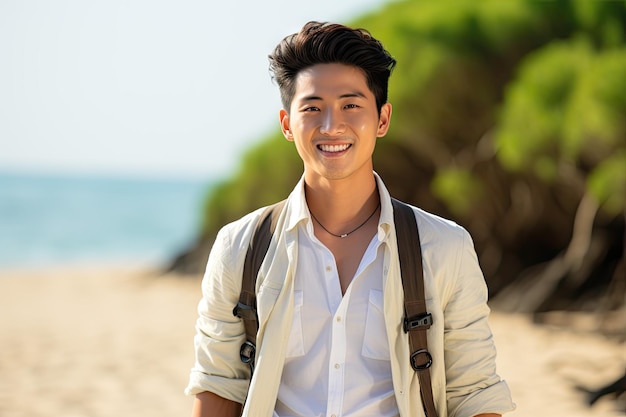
column 143, row 87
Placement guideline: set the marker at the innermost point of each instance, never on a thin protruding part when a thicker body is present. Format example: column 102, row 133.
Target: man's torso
column 338, row 358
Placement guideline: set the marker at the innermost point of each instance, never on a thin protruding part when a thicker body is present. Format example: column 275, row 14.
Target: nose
column 332, row 123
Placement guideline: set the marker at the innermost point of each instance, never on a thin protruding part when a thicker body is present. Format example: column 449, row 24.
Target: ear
column 384, row 120
column 284, row 124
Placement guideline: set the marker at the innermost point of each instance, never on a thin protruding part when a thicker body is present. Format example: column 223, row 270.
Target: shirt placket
column 337, row 357
column 337, row 361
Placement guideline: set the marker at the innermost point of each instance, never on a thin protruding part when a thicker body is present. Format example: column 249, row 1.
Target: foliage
column 607, row 183
column 506, row 115
column 566, row 106
column 267, row 173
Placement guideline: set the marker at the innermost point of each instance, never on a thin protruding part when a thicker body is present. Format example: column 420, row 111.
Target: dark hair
column 327, row 43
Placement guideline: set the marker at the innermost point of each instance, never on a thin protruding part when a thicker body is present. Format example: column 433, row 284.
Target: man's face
column 334, row 122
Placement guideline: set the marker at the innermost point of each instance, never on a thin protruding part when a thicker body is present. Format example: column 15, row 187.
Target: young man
column 329, row 294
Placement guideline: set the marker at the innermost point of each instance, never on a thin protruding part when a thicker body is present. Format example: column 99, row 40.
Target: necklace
column 350, row 232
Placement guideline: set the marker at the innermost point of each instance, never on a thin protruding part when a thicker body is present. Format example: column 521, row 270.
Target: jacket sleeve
column 219, row 334
column 473, row 386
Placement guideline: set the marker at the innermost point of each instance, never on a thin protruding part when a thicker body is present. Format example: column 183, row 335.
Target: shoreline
column 110, row 340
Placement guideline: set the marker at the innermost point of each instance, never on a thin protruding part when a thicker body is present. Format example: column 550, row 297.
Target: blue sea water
column 54, row 220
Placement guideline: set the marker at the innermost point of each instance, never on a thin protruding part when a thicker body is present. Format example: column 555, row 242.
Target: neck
column 339, row 204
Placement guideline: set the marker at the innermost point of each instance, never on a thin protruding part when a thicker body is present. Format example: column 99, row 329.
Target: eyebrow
column 347, row 95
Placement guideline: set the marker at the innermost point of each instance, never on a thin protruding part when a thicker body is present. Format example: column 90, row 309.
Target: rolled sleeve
column 473, row 386
column 492, row 399
column 219, row 334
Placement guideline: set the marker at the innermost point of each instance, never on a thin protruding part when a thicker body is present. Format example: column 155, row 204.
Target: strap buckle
column 415, row 322
column 244, row 311
column 247, row 353
column 420, row 364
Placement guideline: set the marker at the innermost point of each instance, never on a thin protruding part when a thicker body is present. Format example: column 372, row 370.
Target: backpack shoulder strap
column 416, row 318
column 246, row 307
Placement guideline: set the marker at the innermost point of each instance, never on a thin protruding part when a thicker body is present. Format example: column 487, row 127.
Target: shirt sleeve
column 473, row 386
column 219, row 334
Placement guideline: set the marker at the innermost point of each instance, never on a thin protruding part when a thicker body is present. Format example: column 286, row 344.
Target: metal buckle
column 420, row 367
column 411, row 323
column 247, row 353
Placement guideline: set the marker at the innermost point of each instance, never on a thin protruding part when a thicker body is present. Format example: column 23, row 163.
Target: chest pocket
column 375, row 343
column 295, row 344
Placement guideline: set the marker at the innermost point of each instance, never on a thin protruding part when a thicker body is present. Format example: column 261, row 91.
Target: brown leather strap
column 417, row 319
column 246, row 307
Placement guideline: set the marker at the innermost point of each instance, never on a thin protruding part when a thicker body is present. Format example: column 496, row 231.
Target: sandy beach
column 105, row 341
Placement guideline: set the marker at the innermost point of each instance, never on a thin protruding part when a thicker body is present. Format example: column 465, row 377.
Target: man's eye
column 351, row 106
column 312, row 108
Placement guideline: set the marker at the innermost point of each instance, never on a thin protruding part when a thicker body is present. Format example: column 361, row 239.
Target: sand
column 117, row 341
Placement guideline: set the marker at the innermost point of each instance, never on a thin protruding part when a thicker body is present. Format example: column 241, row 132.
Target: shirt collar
column 299, row 211
column 385, row 222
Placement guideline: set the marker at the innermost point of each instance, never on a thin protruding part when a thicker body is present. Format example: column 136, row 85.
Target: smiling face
column 334, row 122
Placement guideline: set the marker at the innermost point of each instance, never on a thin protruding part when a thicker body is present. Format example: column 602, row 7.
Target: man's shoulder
column 433, row 226
column 239, row 231
column 244, row 222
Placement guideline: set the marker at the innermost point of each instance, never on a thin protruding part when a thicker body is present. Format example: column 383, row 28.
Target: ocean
column 60, row 220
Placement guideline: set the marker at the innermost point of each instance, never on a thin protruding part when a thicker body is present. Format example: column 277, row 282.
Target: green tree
column 509, row 118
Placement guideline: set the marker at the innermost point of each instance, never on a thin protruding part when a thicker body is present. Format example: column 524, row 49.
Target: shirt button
column 329, row 268
column 336, row 366
column 338, row 319
column 333, row 415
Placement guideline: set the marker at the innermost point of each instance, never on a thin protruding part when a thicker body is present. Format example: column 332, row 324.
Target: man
column 329, row 294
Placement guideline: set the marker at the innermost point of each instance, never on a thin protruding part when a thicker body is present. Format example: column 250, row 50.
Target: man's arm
column 472, row 384
column 208, row 404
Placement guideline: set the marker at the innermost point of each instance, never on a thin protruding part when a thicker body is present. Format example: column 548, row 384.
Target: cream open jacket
column 464, row 378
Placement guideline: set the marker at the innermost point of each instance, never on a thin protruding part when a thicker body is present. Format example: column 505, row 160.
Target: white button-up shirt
column 337, row 360
column 464, row 378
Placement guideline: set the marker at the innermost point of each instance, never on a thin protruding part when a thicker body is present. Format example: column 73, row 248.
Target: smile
column 334, row 148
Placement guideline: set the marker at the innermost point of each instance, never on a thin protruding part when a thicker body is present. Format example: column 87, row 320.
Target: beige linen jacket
column 464, row 378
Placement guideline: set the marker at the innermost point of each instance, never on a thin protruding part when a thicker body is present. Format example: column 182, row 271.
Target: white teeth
column 334, row 148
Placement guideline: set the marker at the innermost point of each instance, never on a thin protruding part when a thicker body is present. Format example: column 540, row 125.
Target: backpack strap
column 246, row 307
column 416, row 318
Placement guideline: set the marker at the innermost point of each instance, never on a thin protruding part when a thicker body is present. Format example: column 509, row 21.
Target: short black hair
column 327, row 43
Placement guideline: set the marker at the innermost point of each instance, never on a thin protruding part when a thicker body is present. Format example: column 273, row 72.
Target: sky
column 144, row 88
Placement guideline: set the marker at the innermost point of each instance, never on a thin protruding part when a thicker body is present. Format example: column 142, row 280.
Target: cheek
column 365, row 126
column 298, row 124
column 303, row 151
column 364, row 122
column 308, row 123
